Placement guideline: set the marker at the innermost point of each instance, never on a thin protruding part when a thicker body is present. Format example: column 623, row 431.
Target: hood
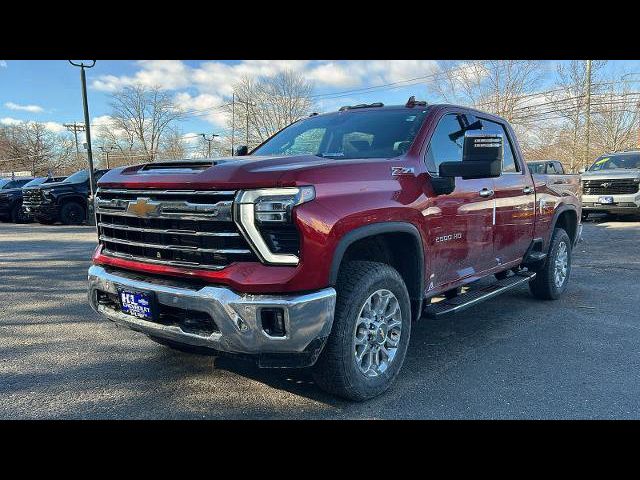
column 11, row 190
column 231, row 172
column 48, row 186
column 612, row 174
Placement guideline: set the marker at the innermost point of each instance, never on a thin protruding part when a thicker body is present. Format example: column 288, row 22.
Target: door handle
column 527, row 190
column 485, row 192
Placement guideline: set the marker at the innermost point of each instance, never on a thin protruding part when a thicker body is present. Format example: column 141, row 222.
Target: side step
column 473, row 297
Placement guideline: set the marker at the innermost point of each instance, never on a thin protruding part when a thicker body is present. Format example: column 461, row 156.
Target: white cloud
column 165, row 74
column 210, row 84
column 10, row 121
column 3, row 64
column 51, row 126
column 25, row 108
column 54, row 127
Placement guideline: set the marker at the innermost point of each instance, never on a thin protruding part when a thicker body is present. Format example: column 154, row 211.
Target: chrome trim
column 173, row 263
column 120, row 191
column 119, row 206
column 168, row 231
column 308, row 316
column 182, row 248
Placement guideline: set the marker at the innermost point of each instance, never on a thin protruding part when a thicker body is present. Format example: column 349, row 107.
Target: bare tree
column 496, row 86
column 268, row 104
column 614, row 120
column 143, row 114
column 173, row 145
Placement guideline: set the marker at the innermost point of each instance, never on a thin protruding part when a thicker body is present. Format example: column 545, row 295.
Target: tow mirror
column 481, row 158
column 242, row 150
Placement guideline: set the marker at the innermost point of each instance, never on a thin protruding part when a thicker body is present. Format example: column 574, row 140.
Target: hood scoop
column 192, row 166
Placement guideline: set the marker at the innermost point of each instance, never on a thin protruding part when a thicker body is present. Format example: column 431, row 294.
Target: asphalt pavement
column 511, row 358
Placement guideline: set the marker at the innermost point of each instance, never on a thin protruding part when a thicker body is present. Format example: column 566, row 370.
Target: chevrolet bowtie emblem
column 143, row 207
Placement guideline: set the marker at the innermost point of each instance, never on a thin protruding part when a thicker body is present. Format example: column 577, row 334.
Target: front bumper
column 308, row 317
column 622, row 203
column 47, row 211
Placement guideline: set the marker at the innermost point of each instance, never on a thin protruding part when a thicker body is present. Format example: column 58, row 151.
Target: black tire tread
column 542, row 286
column 330, row 371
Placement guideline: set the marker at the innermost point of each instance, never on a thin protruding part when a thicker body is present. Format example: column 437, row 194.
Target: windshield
column 78, row 177
column 351, row 134
column 3, row 182
column 612, row 162
column 34, row 182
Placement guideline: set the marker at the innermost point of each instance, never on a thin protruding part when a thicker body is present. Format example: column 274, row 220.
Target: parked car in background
column 64, row 201
column 551, row 174
column 11, row 198
column 612, row 184
column 324, row 244
column 546, row 167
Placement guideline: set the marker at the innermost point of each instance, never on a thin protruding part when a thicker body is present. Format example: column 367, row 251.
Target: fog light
column 273, row 321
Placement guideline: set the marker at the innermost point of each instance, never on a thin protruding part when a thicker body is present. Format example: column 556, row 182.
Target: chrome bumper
column 308, row 317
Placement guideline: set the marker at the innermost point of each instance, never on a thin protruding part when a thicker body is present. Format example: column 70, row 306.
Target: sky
column 48, row 91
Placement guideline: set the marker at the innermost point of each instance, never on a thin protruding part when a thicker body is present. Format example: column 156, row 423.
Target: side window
column 445, row 145
column 509, row 161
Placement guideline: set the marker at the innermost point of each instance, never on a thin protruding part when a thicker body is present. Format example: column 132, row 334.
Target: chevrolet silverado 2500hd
column 321, row 246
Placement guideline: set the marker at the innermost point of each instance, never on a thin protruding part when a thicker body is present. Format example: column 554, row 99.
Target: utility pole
column 75, row 128
column 233, row 122
column 209, row 140
column 246, row 104
column 586, row 160
column 85, row 106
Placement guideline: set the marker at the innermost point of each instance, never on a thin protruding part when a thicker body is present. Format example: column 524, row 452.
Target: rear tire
column 72, row 213
column 553, row 277
column 373, row 322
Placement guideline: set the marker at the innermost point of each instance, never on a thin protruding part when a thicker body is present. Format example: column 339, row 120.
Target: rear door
column 514, row 201
column 460, row 223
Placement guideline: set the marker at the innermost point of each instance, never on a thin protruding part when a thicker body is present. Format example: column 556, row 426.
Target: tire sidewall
column 64, row 213
column 388, row 279
column 558, row 238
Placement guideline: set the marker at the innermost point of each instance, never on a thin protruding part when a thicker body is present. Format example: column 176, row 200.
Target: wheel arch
column 566, row 217
column 381, row 237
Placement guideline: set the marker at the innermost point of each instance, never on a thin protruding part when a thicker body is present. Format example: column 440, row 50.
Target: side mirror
column 582, row 170
column 242, row 150
column 481, row 158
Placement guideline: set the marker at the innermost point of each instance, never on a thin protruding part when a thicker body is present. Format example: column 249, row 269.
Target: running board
column 473, row 297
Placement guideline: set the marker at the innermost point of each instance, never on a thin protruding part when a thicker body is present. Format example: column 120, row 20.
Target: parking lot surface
column 511, row 358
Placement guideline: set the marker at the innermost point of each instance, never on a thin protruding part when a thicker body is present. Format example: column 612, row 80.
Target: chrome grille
column 609, row 187
column 187, row 228
column 31, row 197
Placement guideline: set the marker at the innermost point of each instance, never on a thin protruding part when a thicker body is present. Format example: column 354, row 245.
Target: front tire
column 553, row 277
column 17, row 215
column 370, row 334
column 72, row 213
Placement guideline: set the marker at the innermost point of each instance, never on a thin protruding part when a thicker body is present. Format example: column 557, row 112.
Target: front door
column 460, row 224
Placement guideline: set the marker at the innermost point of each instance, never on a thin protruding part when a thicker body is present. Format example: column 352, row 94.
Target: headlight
column 259, row 212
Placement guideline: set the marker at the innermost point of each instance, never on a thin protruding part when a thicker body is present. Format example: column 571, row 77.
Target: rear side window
column 509, row 164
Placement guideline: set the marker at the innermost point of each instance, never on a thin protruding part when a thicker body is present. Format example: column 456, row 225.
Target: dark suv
column 64, row 201
column 11, row 197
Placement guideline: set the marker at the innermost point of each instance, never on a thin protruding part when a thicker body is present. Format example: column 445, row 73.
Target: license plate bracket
column 605, row 200
column 138, row 303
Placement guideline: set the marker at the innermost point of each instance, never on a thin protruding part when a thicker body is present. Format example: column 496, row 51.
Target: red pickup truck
column 322, row 245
